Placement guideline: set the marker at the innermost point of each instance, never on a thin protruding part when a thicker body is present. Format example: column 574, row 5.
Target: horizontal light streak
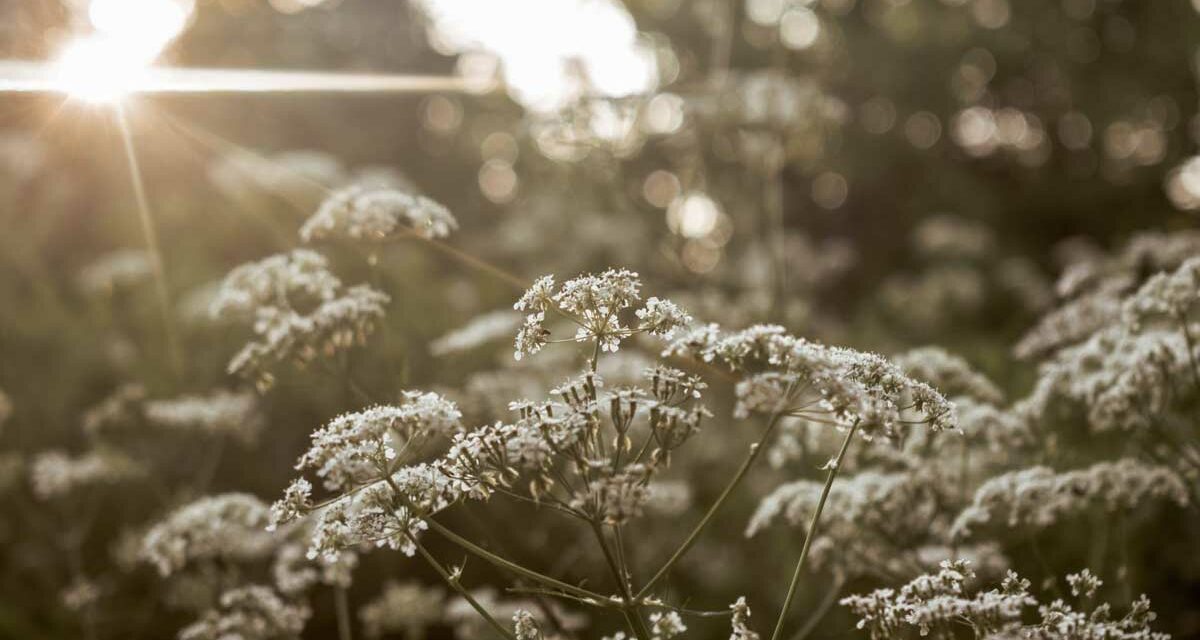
column 40, row 77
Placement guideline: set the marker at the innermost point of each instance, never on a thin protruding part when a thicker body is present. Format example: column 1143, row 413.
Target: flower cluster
column 1094, row 287
column 740, row 621
column 935, row 604
column 568, row 436
column 219, row 413
column 294, row 572
column 56, row 474
column 949, row 373
column 872, row 522
column 389, row 513
column 595, row 304
column 227, row 527
column 525, row 626
column 1168, row 296
column 373, row 214
column 299, row 309
column 402, row 607
column 1038, row 497
column 222, row 412
column 665, row 625
column 356, row 448
column 792, row 376
column 253, row 612
column 480, row 331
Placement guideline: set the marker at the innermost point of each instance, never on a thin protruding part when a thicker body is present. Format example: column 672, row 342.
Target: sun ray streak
column 151, row 237
column 41, row 77
column 210, row 144
column 221, row 145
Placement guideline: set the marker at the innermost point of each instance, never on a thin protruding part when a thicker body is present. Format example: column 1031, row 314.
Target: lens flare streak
column 36, row 77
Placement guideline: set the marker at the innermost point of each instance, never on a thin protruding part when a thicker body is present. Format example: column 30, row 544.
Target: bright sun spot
column 544, row 45
column 128, row 37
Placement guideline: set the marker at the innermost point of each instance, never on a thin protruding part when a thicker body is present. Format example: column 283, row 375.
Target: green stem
column 631, row 613
column 812, row 532
column 488, row 555
column 342, row 606
column 454, row 584
column 755, row 449
column 496, row 560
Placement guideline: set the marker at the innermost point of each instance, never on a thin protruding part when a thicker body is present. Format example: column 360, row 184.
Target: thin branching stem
column 454, row 584
column 755, row 450
column 496, row 560
column 628, row 608
column 812, row 532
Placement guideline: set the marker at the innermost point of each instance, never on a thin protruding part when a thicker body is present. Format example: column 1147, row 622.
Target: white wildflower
column 55, row 474
column 1038, row 497
column 949, row 373
column 740, row 623
column 402, row 607
column 358, row 447
column 228, row 527
column 371, row 213
column 1084, row 584
column 665, row 625
column 662, row 317
column 525, row 627
column 253, row 612
column 119, row 270
column 222, row 412
column 482, row 330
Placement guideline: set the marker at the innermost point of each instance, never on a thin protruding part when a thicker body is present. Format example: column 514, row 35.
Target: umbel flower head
column 949, row 373
column 227, row 527
column 595, row 304
column 253, row 612
column 360, row 457
column 299, row 309
column 402, row 607
column 1037, row 497
column 375, row 214
column 566, row 438
column 358, row 447
column 55, row 474
column 935, row 605
column 871, row 521
column 221, row 412
column 790, row 376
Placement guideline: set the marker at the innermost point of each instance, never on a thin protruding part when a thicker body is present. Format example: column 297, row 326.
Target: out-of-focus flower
column 227, row 527
column 116, row 271
column 376, row 214
column 253, row 612
column 403, row 607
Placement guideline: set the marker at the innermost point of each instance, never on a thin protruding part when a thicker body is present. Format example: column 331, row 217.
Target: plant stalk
column 755, row 450
column 812, row 532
